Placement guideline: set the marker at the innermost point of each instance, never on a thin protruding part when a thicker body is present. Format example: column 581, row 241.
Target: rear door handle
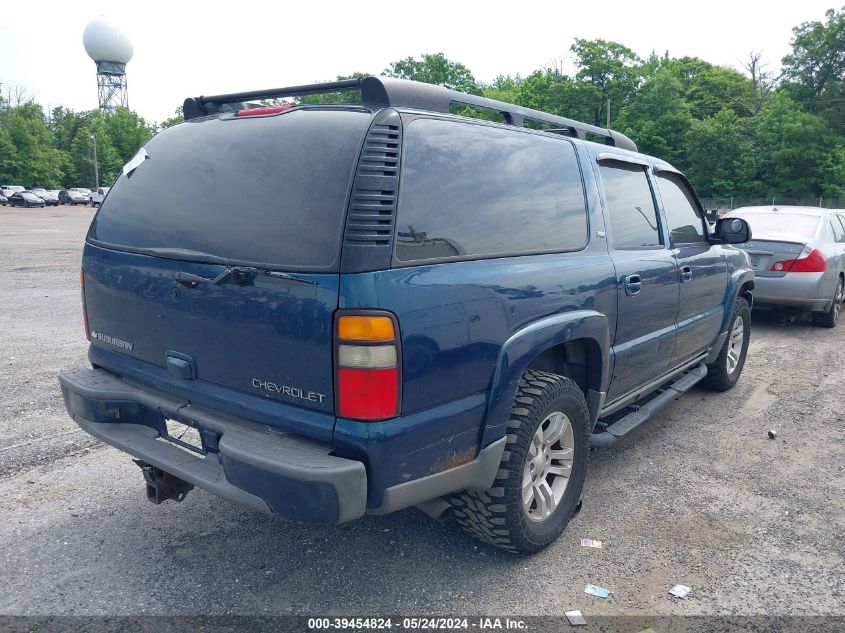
column 633, row 285
column 686, row 274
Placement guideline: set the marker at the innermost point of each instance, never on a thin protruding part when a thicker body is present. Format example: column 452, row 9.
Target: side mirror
column 732, row 231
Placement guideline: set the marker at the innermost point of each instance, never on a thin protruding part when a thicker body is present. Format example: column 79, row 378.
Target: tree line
column 749, row 134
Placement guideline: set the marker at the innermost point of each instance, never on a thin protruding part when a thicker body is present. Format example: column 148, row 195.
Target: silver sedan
column 798, row 256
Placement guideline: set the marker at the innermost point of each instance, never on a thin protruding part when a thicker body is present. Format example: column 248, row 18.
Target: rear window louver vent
column 372, row 205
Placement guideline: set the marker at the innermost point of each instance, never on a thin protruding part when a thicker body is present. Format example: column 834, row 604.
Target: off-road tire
column 498, row 516
column 719, row 378
column 831, row 317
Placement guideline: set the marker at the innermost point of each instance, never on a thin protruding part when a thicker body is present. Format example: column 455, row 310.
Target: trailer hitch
column 162, row 486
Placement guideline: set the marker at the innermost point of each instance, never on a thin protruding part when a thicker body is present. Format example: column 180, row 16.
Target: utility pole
column 608, row 114
column 96, row 167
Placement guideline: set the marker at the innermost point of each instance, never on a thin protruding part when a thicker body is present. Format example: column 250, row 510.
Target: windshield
column 263, row 191
column 780, row 225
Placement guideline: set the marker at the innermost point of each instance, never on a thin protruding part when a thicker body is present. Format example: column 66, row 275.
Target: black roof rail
column 387, row 91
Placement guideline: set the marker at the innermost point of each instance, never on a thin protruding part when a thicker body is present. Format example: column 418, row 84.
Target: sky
column 187, row 49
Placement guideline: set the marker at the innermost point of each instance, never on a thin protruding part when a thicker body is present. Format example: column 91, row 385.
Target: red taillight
column 84, row 310
column 265, row 110
column 368, row 394
column 368, row 369
column 809, row 261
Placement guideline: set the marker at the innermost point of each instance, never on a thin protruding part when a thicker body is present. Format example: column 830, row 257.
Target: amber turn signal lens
column 365, row 328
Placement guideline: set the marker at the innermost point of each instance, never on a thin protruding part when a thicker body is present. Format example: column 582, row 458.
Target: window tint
column 685, row 225
column 470, row 190
column 264, row 190
column 633, row 218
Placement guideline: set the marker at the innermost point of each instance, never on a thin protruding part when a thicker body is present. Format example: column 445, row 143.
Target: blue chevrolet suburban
column 354, row 309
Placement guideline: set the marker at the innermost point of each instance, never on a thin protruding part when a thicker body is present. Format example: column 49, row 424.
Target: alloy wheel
column 735, row 344
column 548, row 466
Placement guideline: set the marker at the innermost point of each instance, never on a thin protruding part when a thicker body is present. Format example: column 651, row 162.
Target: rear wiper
column 239, row 275
column 289, row 277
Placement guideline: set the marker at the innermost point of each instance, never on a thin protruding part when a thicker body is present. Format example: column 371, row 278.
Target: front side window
column 633, row 217
column 472, row 190
column 685, row 224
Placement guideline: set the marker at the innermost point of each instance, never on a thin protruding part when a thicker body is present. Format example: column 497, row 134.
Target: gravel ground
column 699, row 495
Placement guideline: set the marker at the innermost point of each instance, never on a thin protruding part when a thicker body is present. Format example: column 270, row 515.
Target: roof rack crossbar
column 387, row 91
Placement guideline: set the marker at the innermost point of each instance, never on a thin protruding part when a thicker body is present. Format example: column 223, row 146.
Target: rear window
column 780, row 225
column 259, row 190
column 472, row 190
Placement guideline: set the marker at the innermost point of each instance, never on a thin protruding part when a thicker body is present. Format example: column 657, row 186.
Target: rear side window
column 472, row 190
column 633, row 217
column 685, row 224
column 838, row 225
column 261, row 190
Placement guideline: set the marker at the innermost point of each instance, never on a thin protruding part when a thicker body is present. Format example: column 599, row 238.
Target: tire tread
column 493, row 516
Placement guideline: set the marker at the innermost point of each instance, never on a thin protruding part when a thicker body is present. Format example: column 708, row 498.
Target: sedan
column 26, row 199
column 3, row 200
column 72, row 197
column 798, row 256
column 51, row 197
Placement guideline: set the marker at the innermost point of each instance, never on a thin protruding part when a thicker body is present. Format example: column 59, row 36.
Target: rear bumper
column 250, row 464
column 270, row 470
column 808, row 291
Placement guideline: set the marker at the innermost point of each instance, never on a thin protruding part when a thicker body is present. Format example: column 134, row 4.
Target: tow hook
column 162, row 486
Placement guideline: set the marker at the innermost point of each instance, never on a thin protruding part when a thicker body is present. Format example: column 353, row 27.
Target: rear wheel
column 538, row 486
column 831, row 317
column 723, row 373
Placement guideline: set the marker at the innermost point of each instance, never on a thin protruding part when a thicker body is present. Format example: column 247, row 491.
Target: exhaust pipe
column 162, row 486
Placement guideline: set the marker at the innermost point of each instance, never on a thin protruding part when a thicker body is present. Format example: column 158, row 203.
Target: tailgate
column 270, row 337
column 264, row 196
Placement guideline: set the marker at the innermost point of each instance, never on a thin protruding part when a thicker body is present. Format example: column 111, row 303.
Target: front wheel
column 724, row 372
column 831, row 317
column 539, row 482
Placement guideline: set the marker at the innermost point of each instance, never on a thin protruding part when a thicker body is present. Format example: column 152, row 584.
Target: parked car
column 3, row 200
column 72, row 197
column 96, row 197
column 51, row 197
column 25, row 199
column 7, row 190
column 798, row 255
column 458, row 345
column 83, row 190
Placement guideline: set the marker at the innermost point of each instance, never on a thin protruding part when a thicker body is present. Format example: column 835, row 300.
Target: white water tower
column 111, row 50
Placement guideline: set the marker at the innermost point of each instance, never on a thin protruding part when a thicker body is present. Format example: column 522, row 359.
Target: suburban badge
column 111, row 340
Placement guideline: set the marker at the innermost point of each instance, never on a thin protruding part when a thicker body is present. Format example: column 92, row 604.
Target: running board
column 631, row 421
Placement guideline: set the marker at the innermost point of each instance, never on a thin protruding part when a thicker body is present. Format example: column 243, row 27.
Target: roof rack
column 387, row 91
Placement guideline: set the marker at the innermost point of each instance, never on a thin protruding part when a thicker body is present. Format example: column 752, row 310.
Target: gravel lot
column 699, row 495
